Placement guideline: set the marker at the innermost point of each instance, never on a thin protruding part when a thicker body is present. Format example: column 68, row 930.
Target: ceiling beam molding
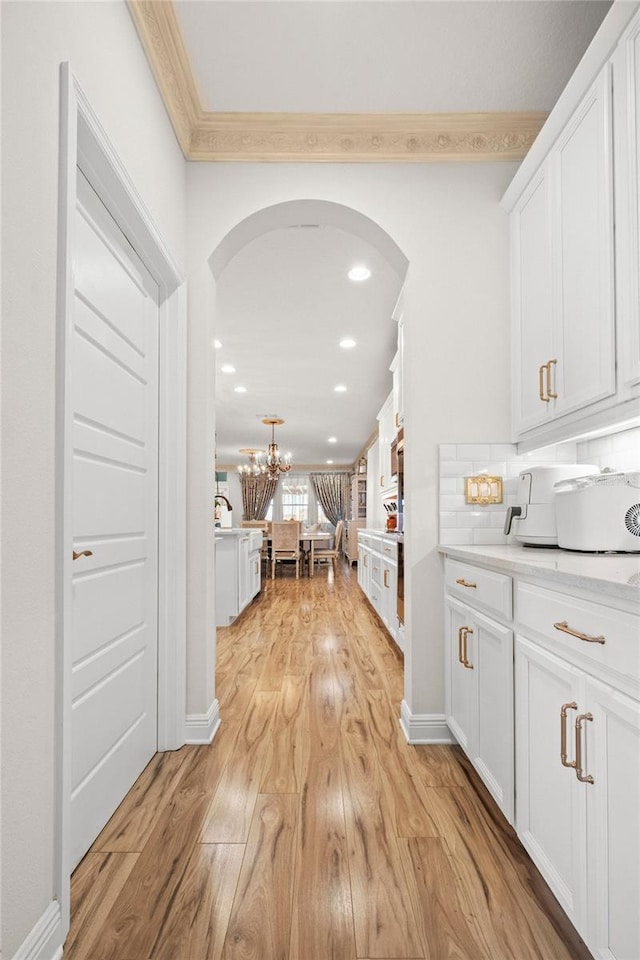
column 315, row 137
column 164, row 47
column 365, row 138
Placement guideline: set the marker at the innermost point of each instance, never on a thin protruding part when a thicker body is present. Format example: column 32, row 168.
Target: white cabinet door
column 612, row 757
column 533, row 345
column 460, row 693
column 583, row 196
column 626, row 66
column 389, row 588
column 255, row 573
column 551, row 803
column 493, row 756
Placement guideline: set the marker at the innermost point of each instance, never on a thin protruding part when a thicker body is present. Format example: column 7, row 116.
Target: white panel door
column 612, row 757
column 550, row 802
column 461, row 685
column 114, row 407
column 493, row 756
column 585, row 371
column 532, row 303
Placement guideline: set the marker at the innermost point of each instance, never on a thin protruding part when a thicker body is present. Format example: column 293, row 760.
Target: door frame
column 84, row 144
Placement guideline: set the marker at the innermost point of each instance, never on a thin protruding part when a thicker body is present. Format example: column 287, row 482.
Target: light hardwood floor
column 310, row 829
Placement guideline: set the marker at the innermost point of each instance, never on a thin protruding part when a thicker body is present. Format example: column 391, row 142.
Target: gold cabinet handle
column 382, row 481
column 460, row 660
column 366, row 559
column 541, row 370
column 385, row 578
column 564, row 627
column 563, row 733
column 550, row 395
column 83, row 553
column 466, row 583
column 583, row 778
column 465, row 656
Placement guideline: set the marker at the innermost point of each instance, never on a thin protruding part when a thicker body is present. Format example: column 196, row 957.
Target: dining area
column 292, row 543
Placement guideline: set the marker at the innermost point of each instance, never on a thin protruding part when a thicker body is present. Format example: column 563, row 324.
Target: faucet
column 221, row 496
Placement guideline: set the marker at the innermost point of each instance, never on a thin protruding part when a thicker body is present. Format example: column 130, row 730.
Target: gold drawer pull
column 563, row 733
column 83, row 553
column 463, row 658
column 465, row 583
column 550, row 394
column 583, row 778
column 386, row 578
column 541, row 370
column 564, row 627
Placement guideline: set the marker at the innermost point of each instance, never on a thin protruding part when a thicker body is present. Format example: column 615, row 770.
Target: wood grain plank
column 196, row 925
column 446, row 932
column 133, row 822
column 229, row 815
column 260, row 924
column 135, row 924
column 383, row 915
column 289, row 743
column 95, row 885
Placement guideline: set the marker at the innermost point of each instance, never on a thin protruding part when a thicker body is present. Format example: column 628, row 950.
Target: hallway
column 309, row 829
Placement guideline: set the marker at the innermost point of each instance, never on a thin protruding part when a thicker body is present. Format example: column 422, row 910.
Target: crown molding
column 330, row 137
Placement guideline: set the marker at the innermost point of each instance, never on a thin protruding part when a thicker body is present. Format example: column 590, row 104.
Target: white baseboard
column 44, row 942
column 424, row 727
column 202, row 727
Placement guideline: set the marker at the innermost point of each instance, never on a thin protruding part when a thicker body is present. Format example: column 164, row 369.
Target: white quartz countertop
column 385, row 534
column 612, row 575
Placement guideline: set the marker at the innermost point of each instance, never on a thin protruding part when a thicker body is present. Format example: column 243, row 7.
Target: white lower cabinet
column 554, row 722
column 238, row 572
column 479, row 696
column 378, row 576
column 578, row 790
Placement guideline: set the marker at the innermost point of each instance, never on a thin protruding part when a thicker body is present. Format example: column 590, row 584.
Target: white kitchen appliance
column 533, row 519
column 599, row 513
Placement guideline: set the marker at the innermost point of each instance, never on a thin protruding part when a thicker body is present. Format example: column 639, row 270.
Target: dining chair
column 285, row 544
column 334, row 553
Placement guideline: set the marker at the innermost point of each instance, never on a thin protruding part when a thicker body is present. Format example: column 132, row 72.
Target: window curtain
column 257, row 494
column 333, row 491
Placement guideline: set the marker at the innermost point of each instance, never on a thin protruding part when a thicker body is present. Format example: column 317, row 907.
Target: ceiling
column 346, row 80
column 282, row 305
column 371, row 56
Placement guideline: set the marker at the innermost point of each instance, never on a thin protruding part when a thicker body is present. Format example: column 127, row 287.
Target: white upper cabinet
column 562, row 272
column 532, row 302
column 583, row 201
column 575, row 259
column 626, row 74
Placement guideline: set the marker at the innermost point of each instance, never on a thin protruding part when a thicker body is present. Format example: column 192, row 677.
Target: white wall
column 100, row 42
column 447, row 221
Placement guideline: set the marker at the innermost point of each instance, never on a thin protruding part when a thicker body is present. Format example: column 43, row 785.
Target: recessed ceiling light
column 340, row 388
column 359, row 272
column 332, row 440
column 217, row 345
column 227, row 368
column 347, row 343
column 240, row 389
column 329, row 461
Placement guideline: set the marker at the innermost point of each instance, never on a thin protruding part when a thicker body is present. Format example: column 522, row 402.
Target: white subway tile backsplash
column 456, row 468
column 497, row 520
column 448, row 519
column 473, row 451
column 449, row 485
column 489, row 536
column 453, row 537
column 474, row 519
column 493, row 467
column 502, row 451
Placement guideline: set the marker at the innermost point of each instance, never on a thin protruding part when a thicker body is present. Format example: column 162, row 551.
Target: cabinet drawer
column 609, row 640
column 480, row 587
column 389, row 550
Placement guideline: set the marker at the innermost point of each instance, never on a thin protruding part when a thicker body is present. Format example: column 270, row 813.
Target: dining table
column 311, row 538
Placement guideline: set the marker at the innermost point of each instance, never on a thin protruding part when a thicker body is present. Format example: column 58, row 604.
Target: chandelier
column 254, row 468
column 275, row 464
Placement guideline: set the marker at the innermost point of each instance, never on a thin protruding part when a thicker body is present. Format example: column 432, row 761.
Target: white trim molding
column 424, row 727
column 44, row 941
column 201, row 728
column 316, row 137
